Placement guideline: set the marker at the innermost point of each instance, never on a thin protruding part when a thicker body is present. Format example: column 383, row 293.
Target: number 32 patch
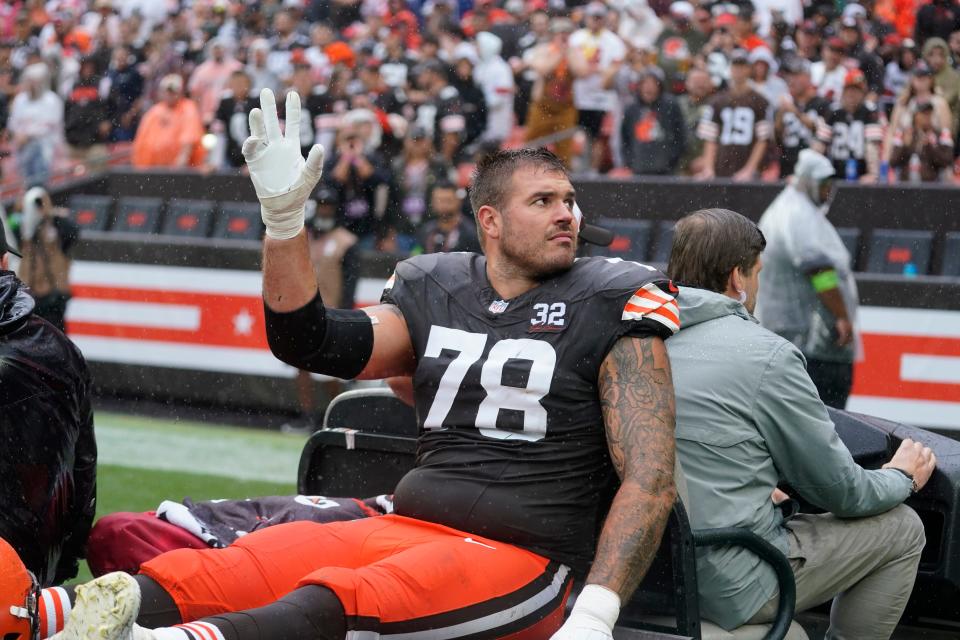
column 550, row 318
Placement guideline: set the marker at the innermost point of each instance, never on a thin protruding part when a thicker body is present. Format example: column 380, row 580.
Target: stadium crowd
column 407, row 94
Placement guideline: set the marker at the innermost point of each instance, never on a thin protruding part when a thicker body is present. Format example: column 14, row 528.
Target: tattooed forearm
column 636, row 396
column 636, row 392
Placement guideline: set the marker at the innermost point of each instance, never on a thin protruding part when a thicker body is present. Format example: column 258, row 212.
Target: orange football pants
column 393, row 575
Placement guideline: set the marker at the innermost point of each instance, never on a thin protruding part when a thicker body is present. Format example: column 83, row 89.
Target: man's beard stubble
column 529, row 261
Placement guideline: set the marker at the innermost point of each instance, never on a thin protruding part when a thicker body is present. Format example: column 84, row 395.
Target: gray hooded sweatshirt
column 748, row 418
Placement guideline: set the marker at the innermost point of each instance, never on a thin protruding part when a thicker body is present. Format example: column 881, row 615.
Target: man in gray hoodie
column 748, row 419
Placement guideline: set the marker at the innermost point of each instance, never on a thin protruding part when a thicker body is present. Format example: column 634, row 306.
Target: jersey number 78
column 469, row 348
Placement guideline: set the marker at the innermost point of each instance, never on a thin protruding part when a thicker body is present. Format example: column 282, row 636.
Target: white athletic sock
column 54, row 610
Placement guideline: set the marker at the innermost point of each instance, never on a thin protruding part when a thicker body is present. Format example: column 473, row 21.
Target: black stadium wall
column 884, row 226
column 933, row 208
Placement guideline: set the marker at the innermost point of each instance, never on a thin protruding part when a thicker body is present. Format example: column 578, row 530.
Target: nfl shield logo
column 499, row 306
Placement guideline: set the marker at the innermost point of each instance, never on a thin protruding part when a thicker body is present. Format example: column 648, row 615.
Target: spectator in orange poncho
column 170, row 132
column 902, row 14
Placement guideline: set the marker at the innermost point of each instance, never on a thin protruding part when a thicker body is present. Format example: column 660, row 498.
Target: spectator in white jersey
column 596, row 54
column 495, row 77
column 36, row 123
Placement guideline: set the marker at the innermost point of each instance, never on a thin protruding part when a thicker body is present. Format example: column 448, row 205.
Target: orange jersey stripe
column 667, row 310
column 653, row 293
column 667, row 313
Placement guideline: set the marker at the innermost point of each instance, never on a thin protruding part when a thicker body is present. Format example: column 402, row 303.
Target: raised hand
column 282, row 179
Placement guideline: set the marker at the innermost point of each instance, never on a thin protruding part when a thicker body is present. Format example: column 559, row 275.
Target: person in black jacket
column 938, row 19
column 653, row 131
column 440, row 105
column 232, row 114
column 86, row 119
column 48, row 455
column 471, row 96
column 361, row 179
column 124, row 97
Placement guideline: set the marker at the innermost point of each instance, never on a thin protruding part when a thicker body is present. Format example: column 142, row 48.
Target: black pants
column 833, row 380
column 592, row 121
column 308, row 613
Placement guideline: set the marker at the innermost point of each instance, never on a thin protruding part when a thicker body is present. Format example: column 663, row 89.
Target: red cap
column 855, row 78
column 725, row 20
column 340, row 52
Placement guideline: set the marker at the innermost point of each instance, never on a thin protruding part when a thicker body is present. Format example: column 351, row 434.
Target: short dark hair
column 709, row 243
column 492, row 178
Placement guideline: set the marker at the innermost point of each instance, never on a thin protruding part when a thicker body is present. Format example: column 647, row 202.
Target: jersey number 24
column 469, row 348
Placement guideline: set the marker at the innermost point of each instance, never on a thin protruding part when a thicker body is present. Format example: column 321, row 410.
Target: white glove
column 593, row 615
column 282, row 179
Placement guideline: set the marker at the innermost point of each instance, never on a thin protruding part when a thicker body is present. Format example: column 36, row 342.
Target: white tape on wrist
column 598, row 602
column 282, row 226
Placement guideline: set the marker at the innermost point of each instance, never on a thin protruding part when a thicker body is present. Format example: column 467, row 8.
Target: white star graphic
column 243, row 323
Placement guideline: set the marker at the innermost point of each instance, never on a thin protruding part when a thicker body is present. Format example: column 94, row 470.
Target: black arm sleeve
column 334, row 342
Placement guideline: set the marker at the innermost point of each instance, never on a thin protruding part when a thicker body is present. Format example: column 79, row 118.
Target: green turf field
column 143, row 461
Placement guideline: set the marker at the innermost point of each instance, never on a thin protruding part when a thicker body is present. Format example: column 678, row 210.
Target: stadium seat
column 239, row 221
column 382, row 413
column 660, row 254
column 90, row 212
column 368, row 441
column 893, row 250
column 951, row 255
column 138, row 215
column 851, row 240
column 189, row 218
column 373, row 423
column 631, row 238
